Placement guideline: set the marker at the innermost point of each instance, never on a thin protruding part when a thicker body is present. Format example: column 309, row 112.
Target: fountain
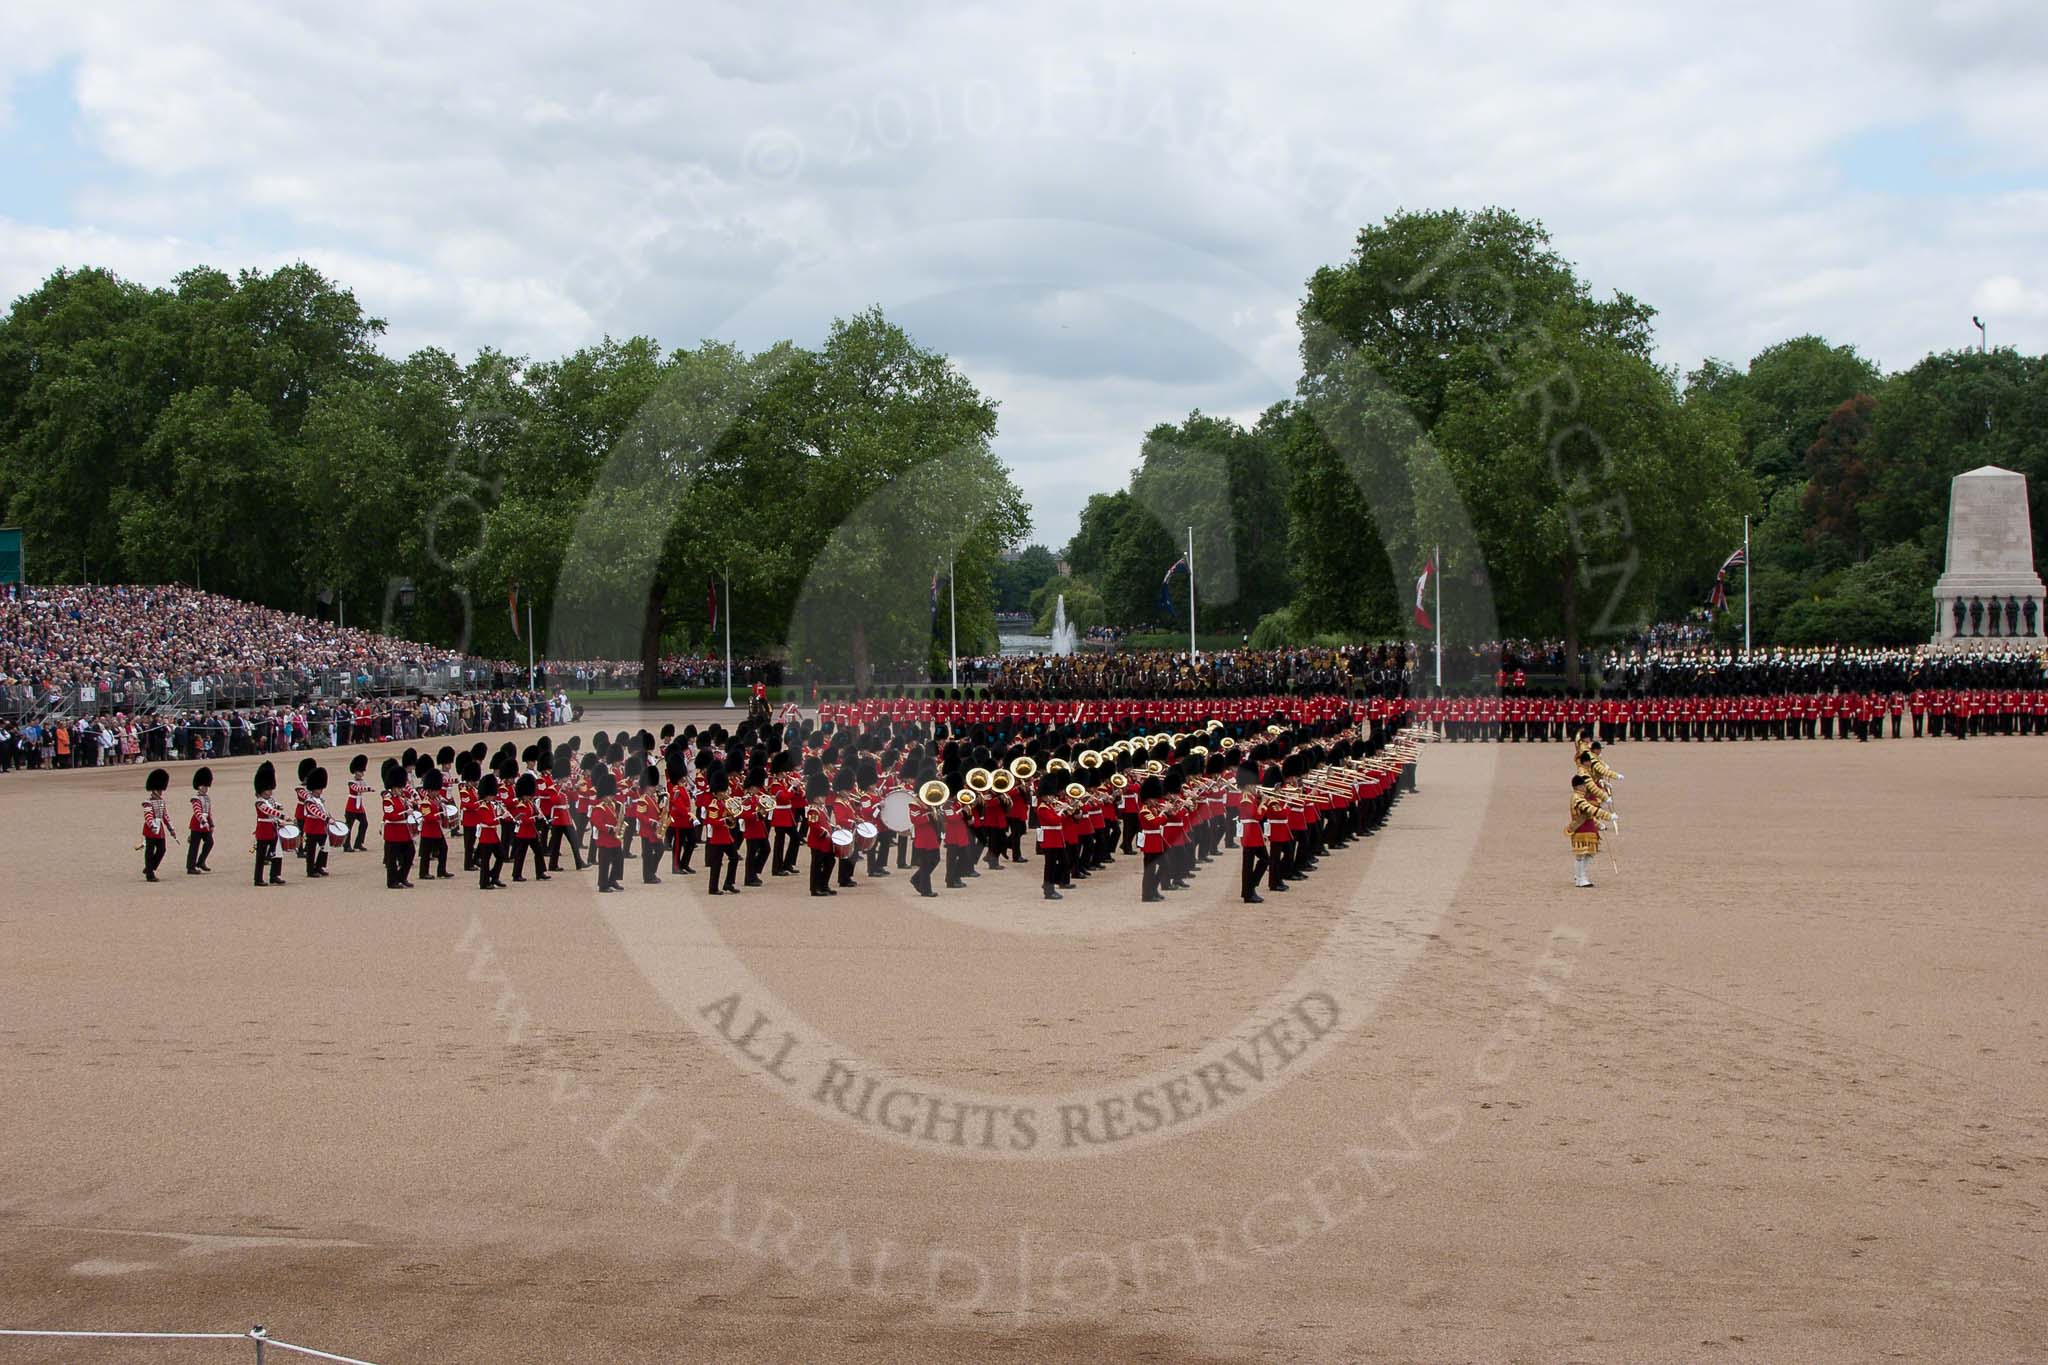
column 1062, row 632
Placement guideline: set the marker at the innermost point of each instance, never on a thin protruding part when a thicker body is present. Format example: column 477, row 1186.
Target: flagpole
column 1745, row 583
column 529, row 642
column 1192, row 652
column 1437, row 574
column 728, row 639
column 952, row 623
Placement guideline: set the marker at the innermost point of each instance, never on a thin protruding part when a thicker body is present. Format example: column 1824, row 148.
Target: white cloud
column 1105, row 212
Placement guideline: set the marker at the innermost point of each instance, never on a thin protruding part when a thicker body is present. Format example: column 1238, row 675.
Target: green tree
column 1226, row 483
column 1017, row 579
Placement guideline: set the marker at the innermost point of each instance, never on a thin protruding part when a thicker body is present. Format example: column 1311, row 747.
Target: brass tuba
column 1024, row 768
column 934, row 793
column 978, row 779
column 1000, row 781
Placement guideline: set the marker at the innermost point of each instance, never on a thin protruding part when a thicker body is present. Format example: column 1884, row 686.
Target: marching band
column 1285, row 781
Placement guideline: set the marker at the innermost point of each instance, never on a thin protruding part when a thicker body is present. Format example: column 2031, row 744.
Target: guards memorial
column 1988, row 590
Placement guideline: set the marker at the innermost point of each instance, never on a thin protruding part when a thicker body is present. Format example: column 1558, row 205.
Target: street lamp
column 1982, row 337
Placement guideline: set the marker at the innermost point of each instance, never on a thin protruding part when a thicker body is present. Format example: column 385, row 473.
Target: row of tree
column 1466, row 394
column 245, row 435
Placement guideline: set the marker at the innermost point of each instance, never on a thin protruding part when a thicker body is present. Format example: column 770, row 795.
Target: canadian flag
column 1422, row 594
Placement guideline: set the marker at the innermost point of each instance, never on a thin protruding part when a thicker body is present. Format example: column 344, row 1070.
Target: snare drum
column 336, row 829
column 866, row 833
column 842, row 842
column 288, row 838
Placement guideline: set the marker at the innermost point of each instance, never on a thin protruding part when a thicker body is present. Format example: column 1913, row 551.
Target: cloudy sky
column 1104, row 212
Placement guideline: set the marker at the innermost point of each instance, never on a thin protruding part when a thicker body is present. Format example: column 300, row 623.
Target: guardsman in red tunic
column 1052, row 841
column 433, row 827
column 397, row 813
column 925, row 834
column 818, row 833
column 1251, row 835
column 356, row 813
column 313, row 823
column 1152, row 836
column 199, row 843
column 490, row 852
column 788, row 796
column 755, row 827
column 648, row 813
column 562, row 812
column 604, row 825
column 268, row 817
column 721, row 842
column 156, row 821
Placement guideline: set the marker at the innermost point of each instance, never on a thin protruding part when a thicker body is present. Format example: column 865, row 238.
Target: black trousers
column 489, row 862
column 958, row 856
column 1056, row 873
column 433, row 854
column 922, row 862
column 821, row 872
column 398, row 855
column 650, row 860
column 721, row 859
column 1153, row 871
column 785, row 850
column 1252, row 863
column 846, row 870
column 266, row 857
column 757, row 858
column 313, row 848
column 198, row 848
column 1279, row 858
column 152, row 856
column 557, row 836
column 358, row 831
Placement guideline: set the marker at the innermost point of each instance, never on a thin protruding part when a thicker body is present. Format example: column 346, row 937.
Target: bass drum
column 896, row 812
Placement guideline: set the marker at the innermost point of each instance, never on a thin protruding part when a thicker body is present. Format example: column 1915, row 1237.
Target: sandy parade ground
column 1776, row 1089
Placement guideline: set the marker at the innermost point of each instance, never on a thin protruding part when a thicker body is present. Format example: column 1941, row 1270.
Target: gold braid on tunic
column 1585, row 843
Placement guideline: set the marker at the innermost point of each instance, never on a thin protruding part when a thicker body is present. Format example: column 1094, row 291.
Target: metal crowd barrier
column 256, row 1335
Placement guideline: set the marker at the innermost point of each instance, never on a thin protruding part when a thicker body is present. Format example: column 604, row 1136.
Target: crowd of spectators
column 106, row 740
column 1382, row 669
column 107, row 646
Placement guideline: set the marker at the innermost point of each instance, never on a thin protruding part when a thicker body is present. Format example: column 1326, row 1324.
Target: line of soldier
column 1512, row 717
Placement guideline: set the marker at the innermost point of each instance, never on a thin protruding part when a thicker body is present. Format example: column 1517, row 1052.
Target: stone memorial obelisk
column 1989, row 594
